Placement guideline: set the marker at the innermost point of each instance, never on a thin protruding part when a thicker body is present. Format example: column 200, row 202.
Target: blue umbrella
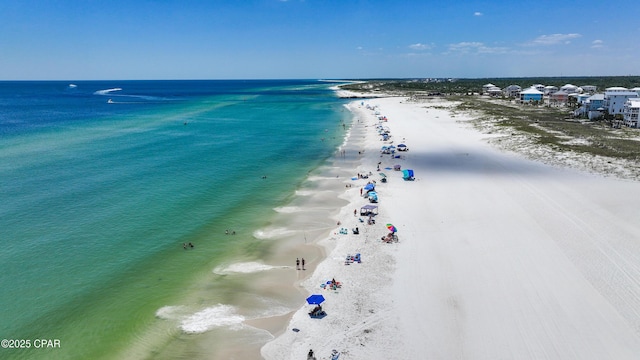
column 369, row 187
column 315, row 299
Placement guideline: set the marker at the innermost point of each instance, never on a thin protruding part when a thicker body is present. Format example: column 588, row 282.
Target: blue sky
column 277, row 39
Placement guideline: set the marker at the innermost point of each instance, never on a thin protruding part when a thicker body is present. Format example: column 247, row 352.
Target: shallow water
column 99, row 197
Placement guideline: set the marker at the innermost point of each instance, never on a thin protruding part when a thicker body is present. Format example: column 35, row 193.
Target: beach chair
column 357, row 258
column 348, row 260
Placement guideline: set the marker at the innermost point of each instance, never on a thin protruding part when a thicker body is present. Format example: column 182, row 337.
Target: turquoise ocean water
column 101, row 183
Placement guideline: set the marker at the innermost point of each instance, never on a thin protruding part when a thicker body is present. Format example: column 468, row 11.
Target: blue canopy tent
column 407, row 174
column 373, row 197
column 369, row 187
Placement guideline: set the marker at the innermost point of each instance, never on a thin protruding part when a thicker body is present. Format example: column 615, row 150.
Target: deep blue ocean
column 102, row 182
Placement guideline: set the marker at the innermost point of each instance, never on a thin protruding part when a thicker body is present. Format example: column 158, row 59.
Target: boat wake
column 113, row 92
column 107, row 91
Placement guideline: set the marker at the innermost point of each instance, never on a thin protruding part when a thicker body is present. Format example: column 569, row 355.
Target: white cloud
column 476, row 47
column 419, row 46
column 477, row 13
column 596, row 44
column 554, row 39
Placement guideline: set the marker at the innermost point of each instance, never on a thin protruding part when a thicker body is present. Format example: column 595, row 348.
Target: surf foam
column 210, row 318
column 245, row 268
column 271, row 233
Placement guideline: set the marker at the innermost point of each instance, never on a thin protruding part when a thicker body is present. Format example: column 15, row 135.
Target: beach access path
column 499, row 257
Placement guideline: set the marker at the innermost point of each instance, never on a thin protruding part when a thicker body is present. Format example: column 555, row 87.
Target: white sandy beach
column 499, row 257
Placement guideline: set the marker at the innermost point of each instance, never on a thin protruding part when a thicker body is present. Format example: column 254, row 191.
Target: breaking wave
column 203, row 320
column 211, row 317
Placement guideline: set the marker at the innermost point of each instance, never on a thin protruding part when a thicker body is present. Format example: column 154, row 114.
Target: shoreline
column 491, row 259
column 321, row 193
column 366, row 242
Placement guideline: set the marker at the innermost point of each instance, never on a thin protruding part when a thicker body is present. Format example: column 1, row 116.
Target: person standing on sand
column 297, row 264
column 303, row 264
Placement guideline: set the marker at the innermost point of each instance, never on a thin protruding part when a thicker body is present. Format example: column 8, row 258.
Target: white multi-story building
column 630, row 112
column 616, row 89
column 512, row 91
column 614, row 99
column 549, row 90
column 494, row 91
column 486, row 87
column 538, row 87
column 569, row 89
column 589, row 88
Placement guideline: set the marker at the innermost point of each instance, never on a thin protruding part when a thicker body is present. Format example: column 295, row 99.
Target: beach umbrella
column 369, row 187
column 315, row 299
column 391, row 228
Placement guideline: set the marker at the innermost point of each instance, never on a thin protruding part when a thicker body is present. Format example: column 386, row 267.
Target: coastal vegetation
column 548, row 126
column 552, row 127
column 452, row 86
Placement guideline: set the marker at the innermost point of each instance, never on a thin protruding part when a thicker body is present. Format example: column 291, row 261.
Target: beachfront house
column 591, row 89
column 615, row 99
column 630, row 112
column 538, row 87
column 512, row 91
column 550, row 89
column 636, row 89
column 531, row 94
column 595, row 106
column 616, row 89
column 582, row 98
column 494, row 91
column 559, row 98
column 486, row 87
column 569, row 89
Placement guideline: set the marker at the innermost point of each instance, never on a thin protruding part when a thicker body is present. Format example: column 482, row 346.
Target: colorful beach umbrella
column 391, row 228
column 315, row 299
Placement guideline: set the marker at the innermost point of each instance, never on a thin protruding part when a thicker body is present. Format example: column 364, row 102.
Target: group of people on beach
column 335, row 354
column 299, row 262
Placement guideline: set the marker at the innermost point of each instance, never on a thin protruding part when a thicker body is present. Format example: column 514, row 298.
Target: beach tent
column 402, row 147
column 373, row 196
column 369, row 187
column 407, row 174
column 369, row 210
